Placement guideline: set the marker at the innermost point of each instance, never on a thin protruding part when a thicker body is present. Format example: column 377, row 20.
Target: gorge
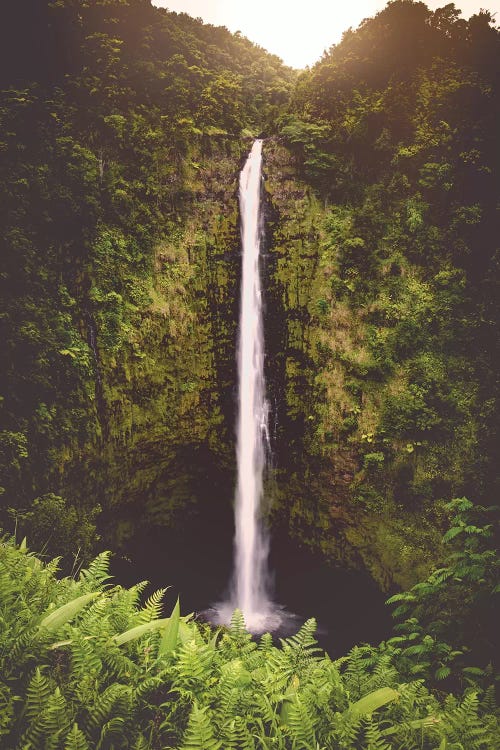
column 372, row 230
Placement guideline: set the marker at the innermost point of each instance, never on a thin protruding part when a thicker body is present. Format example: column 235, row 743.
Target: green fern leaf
column 152, row 609
column 97, row 573
column 199, row 734
column 301, row 725
column 38, row 694
column 75, row 740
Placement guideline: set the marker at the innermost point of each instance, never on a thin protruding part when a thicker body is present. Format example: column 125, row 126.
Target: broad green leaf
column 186, row 630
column 169, row 638
column 286, row 711
column 213, row 641
column 139, row 630
column 60, row 644
column 371, row 702
column 429, row 721
column 59, row 617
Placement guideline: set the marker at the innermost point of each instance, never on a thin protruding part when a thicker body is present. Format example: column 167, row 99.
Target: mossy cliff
column 148, row 348
column 123, row 132
column 167, row 391
column 350, row 478
column 384, row 269
column 120, row 241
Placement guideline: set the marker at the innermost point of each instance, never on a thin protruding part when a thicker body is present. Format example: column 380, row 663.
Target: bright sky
column 299, row 30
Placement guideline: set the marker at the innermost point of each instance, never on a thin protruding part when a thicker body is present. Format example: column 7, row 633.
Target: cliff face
column 168, row 406
column 150, row 354
column 121, row 149
column 158, row 394
column 121, row 248
column 164, row 366
column 344, row 482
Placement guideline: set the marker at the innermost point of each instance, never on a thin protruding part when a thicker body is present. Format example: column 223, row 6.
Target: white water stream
column 250, row 584
column 251, row 544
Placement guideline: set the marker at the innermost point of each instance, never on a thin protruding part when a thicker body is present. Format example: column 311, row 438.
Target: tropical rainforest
column 123, row 131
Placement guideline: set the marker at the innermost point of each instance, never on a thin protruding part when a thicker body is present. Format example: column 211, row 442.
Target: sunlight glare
column 297, row 31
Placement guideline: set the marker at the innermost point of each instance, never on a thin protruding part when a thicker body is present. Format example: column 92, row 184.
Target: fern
column 237, row 628
column 301, row 723
column 75, row 739
column 193, row 668
column 464, row 725
column 113, row 729
column 96, row 574
column 152, row 608
column 199, row 734
column 235, row 735
column 85, row 659
column 374, row 738
column 199, row 689
column 56, row 721
column 113, row 701
column 37, row 695
column 232, row 696
column 297, row 654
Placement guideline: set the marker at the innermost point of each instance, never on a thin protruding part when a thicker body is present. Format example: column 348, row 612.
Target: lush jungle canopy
column 123, row 130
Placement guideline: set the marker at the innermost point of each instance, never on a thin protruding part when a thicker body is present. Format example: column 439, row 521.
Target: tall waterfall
column 251, row 544
column 250, row 581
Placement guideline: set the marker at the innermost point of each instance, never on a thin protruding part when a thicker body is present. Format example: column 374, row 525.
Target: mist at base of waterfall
column 276, row 620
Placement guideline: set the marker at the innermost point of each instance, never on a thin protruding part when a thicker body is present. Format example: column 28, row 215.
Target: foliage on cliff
column 84, row 665
column 392, row 323
column 122, row 130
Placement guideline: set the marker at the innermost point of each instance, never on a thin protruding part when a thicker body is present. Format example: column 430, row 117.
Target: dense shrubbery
column 83, row 665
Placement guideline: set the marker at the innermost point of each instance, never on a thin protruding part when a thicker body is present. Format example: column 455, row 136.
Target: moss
column 369, row 436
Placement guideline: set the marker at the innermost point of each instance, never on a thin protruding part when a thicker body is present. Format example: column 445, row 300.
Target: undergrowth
column 85, row 665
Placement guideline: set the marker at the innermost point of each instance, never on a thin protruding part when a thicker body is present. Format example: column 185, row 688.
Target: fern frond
column 301, row 724
column 114, row 729
column 57, row 721
column 151, row 610
column 194, row 666
column 85, row 660
column 75, row 739
column 115, row 700
column 93, row 578
column 38, row 693
column 199, row 734
column 235, row 735
column 238, row 629
column 119, row 664
column 374, row 738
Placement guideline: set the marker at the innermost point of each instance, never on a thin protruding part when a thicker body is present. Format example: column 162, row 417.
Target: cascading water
column 251, row 544
column 250, row 584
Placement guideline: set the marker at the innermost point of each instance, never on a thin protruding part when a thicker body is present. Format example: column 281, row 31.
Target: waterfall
column 251, row 543
column 250, row 591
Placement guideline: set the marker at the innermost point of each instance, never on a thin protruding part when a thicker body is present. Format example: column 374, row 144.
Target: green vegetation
column 385, row 277
column 83, row 665
column 123, row 129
